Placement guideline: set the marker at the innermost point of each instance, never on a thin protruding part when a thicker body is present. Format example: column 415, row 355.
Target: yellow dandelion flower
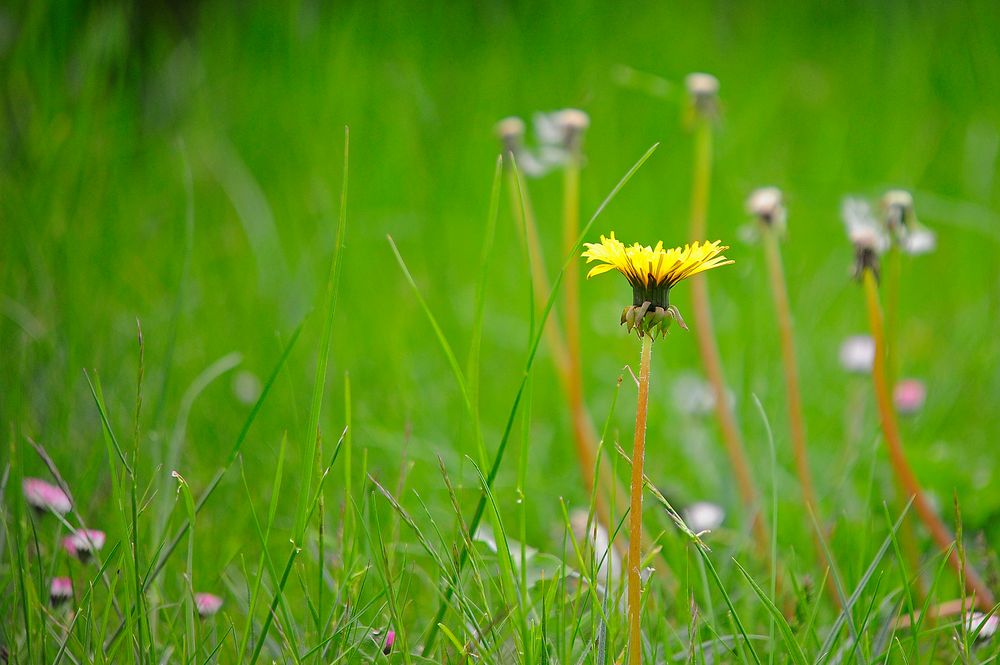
column 652, row 271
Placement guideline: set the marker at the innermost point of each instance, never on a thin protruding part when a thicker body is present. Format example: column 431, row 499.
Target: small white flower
column 703, row 516
column 857, row 354
column 989, row 625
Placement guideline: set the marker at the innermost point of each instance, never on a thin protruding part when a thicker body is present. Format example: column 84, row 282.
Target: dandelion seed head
column 766, row 204
column 510, row 128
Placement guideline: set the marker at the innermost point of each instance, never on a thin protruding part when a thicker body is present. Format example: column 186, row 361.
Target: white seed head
column 865, row 238
column 857, row 354
column 766, row 205
column 863, row 230
column 701, row 85
column 510, row 128
column 574, row 120
column 898, row 197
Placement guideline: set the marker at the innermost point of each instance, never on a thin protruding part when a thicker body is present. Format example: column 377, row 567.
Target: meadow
column 269, row 321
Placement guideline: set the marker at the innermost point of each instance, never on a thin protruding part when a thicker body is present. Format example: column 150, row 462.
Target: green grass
column 185, row 168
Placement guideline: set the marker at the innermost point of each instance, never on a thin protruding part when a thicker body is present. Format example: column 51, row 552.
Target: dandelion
column 45, row 497
column 84, row 543
column 857, row 354
column 651, row 271
column 60, row 591
column 207, row 604
column 909, row 396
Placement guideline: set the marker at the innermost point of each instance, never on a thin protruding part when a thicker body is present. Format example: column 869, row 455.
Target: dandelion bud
column 766, row 205
column 60, row 591
column 511, row 132
column 704, row 91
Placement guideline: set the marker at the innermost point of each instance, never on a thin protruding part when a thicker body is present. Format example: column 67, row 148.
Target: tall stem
column 779, row 292
column 585, row 437
column 705, row 335
column 905, row 477
column 635, row 510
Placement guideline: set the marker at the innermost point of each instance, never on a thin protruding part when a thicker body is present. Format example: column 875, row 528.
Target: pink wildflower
column 60, row 591
column 207, row 604
column 83, row 543
column 43, row 496
column 909, row 396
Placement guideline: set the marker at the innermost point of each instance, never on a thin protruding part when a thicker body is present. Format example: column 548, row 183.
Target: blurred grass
column 105, row 106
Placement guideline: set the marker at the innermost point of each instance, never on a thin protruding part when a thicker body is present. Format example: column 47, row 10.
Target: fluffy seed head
column 766, row 204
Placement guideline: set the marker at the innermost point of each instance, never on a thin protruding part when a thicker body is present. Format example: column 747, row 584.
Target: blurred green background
column 122, row 122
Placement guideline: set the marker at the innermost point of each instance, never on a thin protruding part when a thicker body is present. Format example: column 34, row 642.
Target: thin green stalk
column 312, row 434
column 635, row 510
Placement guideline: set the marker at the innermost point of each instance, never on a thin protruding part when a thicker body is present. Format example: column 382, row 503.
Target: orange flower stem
column 895, row 265
column 635, row 510
column 585, row 436
column 905, row 477
column 782, row 311
column 705, row 335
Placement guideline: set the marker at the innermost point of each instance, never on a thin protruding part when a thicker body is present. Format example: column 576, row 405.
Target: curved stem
column 905, row 477
column 635, row 510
